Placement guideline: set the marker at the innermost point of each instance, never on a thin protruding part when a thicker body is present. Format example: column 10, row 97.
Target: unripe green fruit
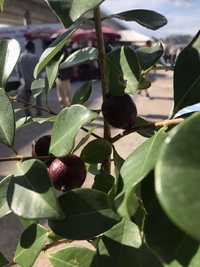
column 119, row 111
column 67, row 173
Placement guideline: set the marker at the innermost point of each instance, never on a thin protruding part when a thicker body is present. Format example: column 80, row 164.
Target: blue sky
column 183, row 15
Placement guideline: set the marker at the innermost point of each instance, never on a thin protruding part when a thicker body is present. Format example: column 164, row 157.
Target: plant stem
column 153, row 125
column 104, row 84
column 22, row 158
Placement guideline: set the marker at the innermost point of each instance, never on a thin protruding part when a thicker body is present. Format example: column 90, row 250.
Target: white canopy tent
column 134, row 37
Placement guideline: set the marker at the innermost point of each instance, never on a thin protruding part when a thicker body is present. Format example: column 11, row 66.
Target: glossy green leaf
column 37, row 87
column 131, row 69
column 177, row 176
column 62, row 8
column 113, row 253
column 88, row 213
column 82, row 94
column 52, row 70
column 79, row 57
column 4, row 208
column 3, row 260
column 9, row 55
column 187, row 76
column 148, row 56
column 96, row 151
column 136, row 167
column 54, row 49
column 118, row 162
column 142, row 160
column 66, row 127
column 7, row 120
column 147, row 18
column 72, row 257
column 147, row 128
column 30, row 193
column 80, row 7
column 103, row 182
column 126, row 233
column 30, row 245
column 123, row 71
column 119, row 245
column 116, row 83
column 165, row 238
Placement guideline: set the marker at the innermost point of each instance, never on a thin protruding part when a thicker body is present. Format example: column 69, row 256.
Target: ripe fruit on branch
column 40, row 146
column 119, row 111
column 67, row 173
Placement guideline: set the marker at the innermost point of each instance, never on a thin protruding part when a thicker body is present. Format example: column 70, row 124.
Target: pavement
column 157, row 108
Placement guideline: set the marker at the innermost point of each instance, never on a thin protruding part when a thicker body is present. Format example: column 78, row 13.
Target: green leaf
column 72, row 257
column 131, row 69
column 61, row 8
column 66, row 127
column 52, row 70
column 118, row 162
column 147, row 18
column 137, row 166
column 9, row 54
column 161, row 235
column 88, row 213
column 126, row 233
column 30, row 192
column 103, row 182
column 4, row 208
column 79, row 57
column 116, row 83
column 80, row 7
column 112, row 253
column 96, row 151
column 37, row 87
column 148, row 56
column 177, row 176
column 142, row 160
column 3, row 260
column 187, row 76
column 82, row 94
column 30, row 245
column 7, row 120
column 147, row 128
column 54, row 49
column 123, row 71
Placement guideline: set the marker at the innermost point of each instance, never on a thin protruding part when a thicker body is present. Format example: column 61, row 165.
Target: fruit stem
column 104, row 84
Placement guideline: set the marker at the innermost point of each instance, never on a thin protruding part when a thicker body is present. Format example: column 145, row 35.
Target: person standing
column 27, row 63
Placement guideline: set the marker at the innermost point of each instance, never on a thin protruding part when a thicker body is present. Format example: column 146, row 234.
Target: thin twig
column 88, row 131
column 152, row 125
column 23, row 158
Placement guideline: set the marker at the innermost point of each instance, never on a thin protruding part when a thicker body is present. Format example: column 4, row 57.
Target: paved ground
column 156, row 108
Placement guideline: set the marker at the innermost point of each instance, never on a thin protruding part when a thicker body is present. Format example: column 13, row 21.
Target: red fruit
column 40, row 146
column 119, row 111
column 67, row 173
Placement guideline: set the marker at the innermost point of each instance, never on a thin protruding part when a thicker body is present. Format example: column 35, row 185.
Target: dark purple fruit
column 119, row 111
column 40, row 147
column 67, row 173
